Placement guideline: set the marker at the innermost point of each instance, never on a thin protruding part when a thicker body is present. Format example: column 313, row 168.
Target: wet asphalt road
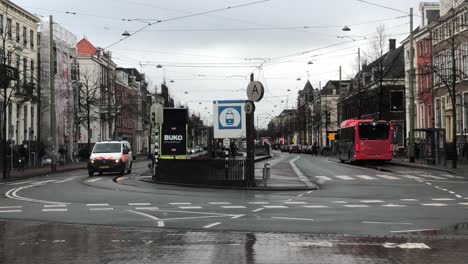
column 95, row 217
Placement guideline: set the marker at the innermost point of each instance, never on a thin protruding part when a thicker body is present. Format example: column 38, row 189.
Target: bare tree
column 88, row 103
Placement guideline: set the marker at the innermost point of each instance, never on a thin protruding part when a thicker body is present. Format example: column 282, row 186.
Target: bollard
column 266, row 173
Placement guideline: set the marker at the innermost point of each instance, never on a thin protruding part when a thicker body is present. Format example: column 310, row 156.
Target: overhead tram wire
column 186, row 16
column 382, row 6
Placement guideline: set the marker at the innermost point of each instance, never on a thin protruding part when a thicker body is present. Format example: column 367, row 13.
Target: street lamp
column 126, row 34
column 298, row 79
column 346, row 28
column 310, row 63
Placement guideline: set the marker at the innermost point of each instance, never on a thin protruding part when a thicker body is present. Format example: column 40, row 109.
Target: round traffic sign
column 249, row 107
column 255, row 91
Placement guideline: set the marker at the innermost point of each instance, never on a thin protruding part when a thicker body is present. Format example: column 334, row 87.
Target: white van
column 110, row 156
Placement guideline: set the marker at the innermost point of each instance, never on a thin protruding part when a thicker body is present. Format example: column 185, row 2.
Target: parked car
column 285, row 148
column 294, row 149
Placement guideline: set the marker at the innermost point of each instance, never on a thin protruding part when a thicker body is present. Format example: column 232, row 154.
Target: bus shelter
column 430, row 146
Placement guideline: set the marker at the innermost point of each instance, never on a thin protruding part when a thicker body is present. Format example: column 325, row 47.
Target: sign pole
column 250, row 117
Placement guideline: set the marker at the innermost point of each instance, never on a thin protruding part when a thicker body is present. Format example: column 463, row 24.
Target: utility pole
column 411, row 92
column 359, row 84
column 53, row 121
column 250, row 119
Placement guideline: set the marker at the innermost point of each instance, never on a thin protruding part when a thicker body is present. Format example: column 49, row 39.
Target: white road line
column 146, row 208
column 54, row 205
column 101, row 209
column 12, row 194
column 98, row 204
column 258, row 202
column 233, row 207
column 315, row 206
column 459, row 196
column 258, row 210
column 366, row 177
column 300, row 195
column 386, row 223
column 310, row 191
column 139, row 204
column 159, row 222
column 94, row 180
column 413, row 230
column 55, row 210
column 372, row 201
column 10, row 211
column 412, row 177
column 293, row 202
column 394, row 205
column 409, row 200
column 219, row 203
column 451, row 192
column 293, row 218
column 190, row 207
column 67, row 180
column 442, row 199
column 388, row 177
column 238, row 216
column 180, row 203
column 19, row 183
column 211, row 225
column 344, row 177
column 356, row 205
column 274, row 206
column 340, row 202
column 323, row 178
column 434, row 204
column 432, row 176
column 11, row 207
column 299, row 174
column 463, row 203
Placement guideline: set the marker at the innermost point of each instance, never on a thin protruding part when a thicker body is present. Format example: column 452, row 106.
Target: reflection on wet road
column 34, row 242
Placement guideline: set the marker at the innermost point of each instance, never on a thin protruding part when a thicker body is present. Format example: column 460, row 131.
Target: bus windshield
column 373, row 131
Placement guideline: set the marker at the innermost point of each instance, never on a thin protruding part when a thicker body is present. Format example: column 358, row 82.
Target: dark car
column 294, row 149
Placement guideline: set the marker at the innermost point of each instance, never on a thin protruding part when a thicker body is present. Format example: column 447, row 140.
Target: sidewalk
column 461, row 170
column 27, row 173
column 282, row 175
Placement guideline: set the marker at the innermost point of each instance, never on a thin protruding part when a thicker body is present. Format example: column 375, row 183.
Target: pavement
column 462, row 166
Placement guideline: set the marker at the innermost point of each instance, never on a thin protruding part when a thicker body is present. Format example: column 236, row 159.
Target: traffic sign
column 229, row 119
column 249, row 107
column 255, row 91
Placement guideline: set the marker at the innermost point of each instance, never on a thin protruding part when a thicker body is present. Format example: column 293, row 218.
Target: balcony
column 25, row 91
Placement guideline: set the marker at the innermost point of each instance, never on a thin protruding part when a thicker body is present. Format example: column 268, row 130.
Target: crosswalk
column 377, row 177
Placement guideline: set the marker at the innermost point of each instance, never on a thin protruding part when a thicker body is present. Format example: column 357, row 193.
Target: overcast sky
column 236, row 40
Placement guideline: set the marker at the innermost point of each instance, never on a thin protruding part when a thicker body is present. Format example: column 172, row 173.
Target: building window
column 459, row 110
column 31, row 131
column 17, row 32
column 25, row 70
column 25, row 37
column 421, row 116
column 1, row 25
column 32, row 71
column 437, row 113
column 429, row 116
column 8, row 28
column 443, row 113
column 465, row 112
column 31, row 38
column 396, row 101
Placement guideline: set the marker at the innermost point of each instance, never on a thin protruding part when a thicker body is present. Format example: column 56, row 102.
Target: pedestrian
column 315, row 149
column 233, row 148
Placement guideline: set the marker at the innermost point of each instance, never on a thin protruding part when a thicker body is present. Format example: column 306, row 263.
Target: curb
column 263, row 158
column 418, row 166
column 235, row 187
column 40, row 174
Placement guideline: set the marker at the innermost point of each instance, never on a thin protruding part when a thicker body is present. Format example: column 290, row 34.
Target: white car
column 110, row 156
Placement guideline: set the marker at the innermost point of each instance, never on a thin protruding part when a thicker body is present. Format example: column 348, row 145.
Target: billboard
column 173, row 136
column 229, row 119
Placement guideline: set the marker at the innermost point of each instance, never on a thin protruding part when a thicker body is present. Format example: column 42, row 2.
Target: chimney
column 392, row 44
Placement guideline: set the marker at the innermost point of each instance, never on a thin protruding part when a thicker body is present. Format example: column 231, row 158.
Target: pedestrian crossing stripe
column 377, row 177
column 388, row 177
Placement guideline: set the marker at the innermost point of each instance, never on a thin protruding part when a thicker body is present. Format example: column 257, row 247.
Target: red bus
column 365, row 140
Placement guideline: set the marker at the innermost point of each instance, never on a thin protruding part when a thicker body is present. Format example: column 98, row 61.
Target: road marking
column 412, row 177
column 356, row 205
column 10, row 211
column 432, row 176
column 274, row 206
column 219, row 203
column 258, row 210
column 463, row 203
column 372, row 201
column 293, row 218
column 366, row 177
column 11, row 207
column 67, row 180
column 414, row 230
column 55, row 210
column 159, row 222
column 300, row 195
column 233, row 207
column 19, row 183
column 388, row 177
column 211, row 225
column 406, row 245
column 394, row 205
column 180, row 203
column 442, row 199
column 409, row 200
column 452, row 192
column 344, row 177
column 139, row 204
column 315, row 206
column 12, row 194
column 339, row 202
column 98, row 204
column 293, row 202
column 54, row 205
column 310, row 191
column 386, row 223
column 146, row 208
column 434, row 204
column 94, row 180
column 299, row 174
column 238, row 216
column 428, row 183
column 190, row 207
column 101, row 209
column 323, row 178
column 258, row 202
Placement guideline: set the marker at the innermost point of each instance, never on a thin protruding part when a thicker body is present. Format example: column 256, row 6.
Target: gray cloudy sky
column 234, row 39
